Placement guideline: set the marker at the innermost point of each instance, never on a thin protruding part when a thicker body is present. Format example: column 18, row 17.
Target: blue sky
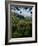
column 24, row 11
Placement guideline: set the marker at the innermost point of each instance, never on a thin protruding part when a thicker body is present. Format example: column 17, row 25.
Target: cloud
column 22, row 11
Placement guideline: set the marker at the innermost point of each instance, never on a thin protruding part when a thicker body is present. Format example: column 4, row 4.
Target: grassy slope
column 21, row 27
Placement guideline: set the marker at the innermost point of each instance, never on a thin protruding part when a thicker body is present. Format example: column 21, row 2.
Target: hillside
column 21, row 26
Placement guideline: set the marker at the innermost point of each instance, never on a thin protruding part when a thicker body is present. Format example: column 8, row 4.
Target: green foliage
column 21, row 27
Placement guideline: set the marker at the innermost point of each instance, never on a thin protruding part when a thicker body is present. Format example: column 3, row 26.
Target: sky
column 24, row 11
